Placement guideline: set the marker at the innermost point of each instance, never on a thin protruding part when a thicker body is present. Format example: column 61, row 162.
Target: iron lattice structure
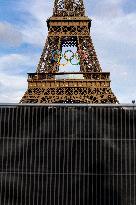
column 68, row 27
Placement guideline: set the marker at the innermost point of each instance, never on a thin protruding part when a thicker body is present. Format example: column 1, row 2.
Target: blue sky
column 23, row 32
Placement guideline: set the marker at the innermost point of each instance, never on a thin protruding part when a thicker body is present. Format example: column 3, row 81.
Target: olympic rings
column 58, row 54
column 57, row 57
column 63, row 64
column 77, row 58
column 65, row 56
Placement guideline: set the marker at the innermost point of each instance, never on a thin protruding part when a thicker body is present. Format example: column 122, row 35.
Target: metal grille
column 67, row 154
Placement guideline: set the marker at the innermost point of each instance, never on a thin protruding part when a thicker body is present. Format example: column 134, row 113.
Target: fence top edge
column 64, row 105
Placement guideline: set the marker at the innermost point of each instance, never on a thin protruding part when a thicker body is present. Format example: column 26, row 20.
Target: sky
column 23, row 32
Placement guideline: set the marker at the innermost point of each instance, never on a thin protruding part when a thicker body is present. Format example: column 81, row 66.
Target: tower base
column 45, row 88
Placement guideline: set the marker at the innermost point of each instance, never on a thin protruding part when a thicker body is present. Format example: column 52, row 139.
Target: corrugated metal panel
column 67, row 155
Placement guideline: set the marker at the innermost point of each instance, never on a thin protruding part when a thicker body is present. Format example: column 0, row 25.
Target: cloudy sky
column 23, row 32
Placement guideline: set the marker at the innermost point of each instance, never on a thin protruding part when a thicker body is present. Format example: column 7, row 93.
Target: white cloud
column 35, row 28
column 39, row 9
column 12, row 83
column 16, row 63
column 116, row 29
column 111, row 23
column 113, row 33
column 9, row 34
column 12, row 88
column 34, row 34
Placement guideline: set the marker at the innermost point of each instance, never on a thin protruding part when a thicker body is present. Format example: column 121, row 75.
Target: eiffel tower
column 69, row 27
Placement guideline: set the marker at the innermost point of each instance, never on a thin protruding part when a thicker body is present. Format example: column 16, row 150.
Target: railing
column 105, row 76
column 73, row 154
column 125, row 105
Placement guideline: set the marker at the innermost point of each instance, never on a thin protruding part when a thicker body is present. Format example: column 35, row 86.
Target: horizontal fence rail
column 66, row 105
column 67, row 154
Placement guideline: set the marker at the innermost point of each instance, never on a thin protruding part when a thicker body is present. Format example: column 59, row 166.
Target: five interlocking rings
column 57, row 56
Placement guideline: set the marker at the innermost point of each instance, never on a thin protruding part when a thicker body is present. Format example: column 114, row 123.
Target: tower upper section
column 68, row 8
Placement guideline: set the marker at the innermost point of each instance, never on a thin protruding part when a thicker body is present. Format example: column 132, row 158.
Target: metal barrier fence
column 66, row 154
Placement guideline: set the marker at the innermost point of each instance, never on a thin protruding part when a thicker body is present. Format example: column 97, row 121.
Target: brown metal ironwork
column 68, row 27
column 68, row 8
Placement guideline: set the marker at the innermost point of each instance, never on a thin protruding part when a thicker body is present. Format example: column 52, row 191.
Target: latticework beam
column 69, row 8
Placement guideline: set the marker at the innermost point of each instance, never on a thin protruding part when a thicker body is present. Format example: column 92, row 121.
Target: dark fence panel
column 67, row 155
